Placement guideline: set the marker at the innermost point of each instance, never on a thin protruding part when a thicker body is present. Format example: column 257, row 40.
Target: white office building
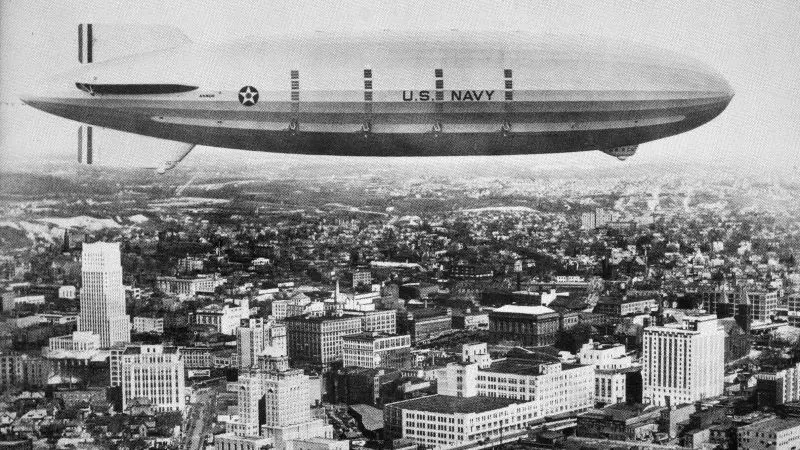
column 612, row 365
column 785, row 384
column 769, row 434
column 295, row 304
column 224, row 318
column 67, row 292
column 371, row 350
column 154, row 372
column 457, row 379
column 148, row 324
column 102, row 294
column 76, row 349
column 554, row 387
column 441, row 421
column 684, row 362
column 188, row 287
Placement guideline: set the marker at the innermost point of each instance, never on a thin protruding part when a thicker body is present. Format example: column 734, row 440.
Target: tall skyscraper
column 685, row 362
column 102, row 295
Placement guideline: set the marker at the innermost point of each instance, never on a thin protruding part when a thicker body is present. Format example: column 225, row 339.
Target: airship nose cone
column 727, row 88
column 716, row 83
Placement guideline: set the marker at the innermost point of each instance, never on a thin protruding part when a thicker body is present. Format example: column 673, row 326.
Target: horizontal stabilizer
column 103, row 41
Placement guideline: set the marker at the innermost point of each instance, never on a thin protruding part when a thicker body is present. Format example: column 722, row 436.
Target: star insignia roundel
column 248, row 96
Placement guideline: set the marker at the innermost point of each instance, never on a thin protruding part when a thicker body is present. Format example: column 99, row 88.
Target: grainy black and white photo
column 411, row 225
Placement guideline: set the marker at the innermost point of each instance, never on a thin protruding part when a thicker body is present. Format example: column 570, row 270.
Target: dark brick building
column 530, row 325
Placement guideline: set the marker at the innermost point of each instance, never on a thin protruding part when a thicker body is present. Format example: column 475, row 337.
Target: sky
column 754, row 44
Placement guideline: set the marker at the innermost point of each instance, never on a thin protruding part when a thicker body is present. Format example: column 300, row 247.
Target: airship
column 380, row 94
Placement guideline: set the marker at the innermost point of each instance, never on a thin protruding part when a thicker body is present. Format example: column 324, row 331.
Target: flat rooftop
column 517, row 366
column 522, row 309
column 623, row 411
column 311, row 318
column 446, row 404
column 369, row 336
column 525, row 366
column 774, row 425
column 151, row 349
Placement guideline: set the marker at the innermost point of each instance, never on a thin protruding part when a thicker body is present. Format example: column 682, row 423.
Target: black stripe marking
column 80, row 144
column 89, row 144
column 89, row 44
column 80, row 43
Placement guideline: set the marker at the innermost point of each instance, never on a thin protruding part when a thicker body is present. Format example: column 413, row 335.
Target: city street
column 198, row 418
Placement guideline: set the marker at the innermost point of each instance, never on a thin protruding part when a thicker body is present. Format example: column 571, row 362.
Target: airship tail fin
column 103, row 41
column 160, row 155
column 85, row 145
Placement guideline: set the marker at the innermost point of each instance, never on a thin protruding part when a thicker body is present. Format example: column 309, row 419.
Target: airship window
column 509, row 84
column 368, row 96
column 367, row 73
column 438, row 73
column 507, row 73
column 439, row 84
column 295, row 84
column 134, row 89
column 295, row 74
column 509, row 95
column 367, row 84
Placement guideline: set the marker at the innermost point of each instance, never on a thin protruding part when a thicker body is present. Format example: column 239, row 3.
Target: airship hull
column 398, row 97
column 335, row 133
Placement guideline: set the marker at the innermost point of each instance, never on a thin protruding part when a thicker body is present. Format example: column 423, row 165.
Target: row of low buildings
column 694, row 425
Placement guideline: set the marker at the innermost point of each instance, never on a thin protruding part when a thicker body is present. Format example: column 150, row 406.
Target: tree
column 573, row 339
column 52, row 432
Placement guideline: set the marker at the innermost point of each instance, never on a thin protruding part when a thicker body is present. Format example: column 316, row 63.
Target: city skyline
column 256, row 301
